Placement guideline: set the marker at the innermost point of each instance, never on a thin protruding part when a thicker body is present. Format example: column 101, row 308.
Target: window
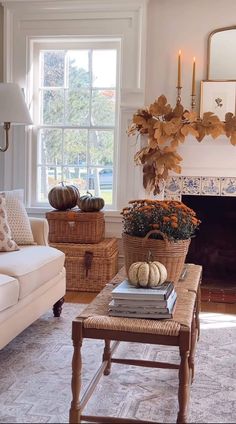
column 75, row 104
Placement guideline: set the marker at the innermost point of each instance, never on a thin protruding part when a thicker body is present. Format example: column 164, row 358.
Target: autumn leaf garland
column 165, row 129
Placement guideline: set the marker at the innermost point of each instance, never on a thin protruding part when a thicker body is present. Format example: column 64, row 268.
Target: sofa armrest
column 39, row 227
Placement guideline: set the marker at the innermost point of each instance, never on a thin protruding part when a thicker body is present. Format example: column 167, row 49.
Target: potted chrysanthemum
column 164, row 228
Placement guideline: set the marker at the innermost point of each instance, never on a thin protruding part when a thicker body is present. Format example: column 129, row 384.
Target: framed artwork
column 218, row 97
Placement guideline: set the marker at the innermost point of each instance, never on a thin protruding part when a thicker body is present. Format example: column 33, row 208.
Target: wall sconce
column 13, row 109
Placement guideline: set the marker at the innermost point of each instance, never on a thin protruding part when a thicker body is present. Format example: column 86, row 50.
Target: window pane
column 75, row 147
column 106, row 185
column 104, row 68
column 50, row 146
column 78, row 64
column 82, row 180
column 103, row 107
column 77, row 112
column 53, row 63
column 101, row 146
column 48, row 177
column 70, row 175
column 106, row 178
column 52, row 107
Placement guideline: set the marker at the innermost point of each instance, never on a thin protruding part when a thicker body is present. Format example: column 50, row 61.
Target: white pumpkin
column 147, row 274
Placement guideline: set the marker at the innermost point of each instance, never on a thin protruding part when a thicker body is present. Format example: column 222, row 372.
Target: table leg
column 75, row 410
column 198, row 307
column 193, row 347
column 107, row 356
column 183, row 394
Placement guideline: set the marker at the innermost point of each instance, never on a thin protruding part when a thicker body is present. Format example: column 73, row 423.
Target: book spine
column 137, row 315
column 127, row 298
column 140, row 310
column 134, row 296
column 162, row 305
column 170, row 289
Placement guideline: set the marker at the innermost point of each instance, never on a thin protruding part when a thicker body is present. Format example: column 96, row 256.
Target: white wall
column 185, row 25
column 1, row 43
column 1, row 79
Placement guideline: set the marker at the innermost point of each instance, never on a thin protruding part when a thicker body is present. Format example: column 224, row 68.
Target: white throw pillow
column 18, row 219
column 7, row 244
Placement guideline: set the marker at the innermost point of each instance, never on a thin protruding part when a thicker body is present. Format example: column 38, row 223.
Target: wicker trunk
column 75, row 226
column 89, row 266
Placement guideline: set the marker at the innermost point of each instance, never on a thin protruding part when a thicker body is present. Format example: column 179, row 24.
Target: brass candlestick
column 193, row 101
column 178, row 100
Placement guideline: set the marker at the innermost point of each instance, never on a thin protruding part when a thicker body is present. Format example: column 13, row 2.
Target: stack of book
column 137, row 302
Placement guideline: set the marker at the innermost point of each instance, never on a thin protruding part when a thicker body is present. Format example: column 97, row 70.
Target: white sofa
column 32, row 280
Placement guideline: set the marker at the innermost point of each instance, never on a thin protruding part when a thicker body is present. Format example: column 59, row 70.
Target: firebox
column 214, row 246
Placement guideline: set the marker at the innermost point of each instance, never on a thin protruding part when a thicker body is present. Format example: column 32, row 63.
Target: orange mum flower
column 166, row 219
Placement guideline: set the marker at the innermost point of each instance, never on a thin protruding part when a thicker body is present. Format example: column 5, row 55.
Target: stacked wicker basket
column 91, row 259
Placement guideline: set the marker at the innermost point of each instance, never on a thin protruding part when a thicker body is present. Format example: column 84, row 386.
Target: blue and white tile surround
column 199, row 186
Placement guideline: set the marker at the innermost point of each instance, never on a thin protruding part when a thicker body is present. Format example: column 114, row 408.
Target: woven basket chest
column 89, row 266
column 75, row 226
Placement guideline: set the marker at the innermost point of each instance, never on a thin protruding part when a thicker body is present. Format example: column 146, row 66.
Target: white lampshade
column 13, row 108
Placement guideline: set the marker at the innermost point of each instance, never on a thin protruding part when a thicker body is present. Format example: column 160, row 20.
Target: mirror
column 221, row 54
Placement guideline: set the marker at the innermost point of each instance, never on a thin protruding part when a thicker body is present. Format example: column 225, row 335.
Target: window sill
column 112, row 214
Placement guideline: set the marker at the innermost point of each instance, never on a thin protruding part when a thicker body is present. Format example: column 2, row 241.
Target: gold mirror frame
column 209, row 49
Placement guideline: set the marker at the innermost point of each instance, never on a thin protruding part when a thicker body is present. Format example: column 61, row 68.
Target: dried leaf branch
column 166, row 127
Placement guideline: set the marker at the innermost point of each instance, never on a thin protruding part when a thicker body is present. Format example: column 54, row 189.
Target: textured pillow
column 6, row 242
column 18, row 219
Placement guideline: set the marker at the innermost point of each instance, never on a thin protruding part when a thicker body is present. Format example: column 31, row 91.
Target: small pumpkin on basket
column 90, row 203
column 147, row 274
column 63, row 196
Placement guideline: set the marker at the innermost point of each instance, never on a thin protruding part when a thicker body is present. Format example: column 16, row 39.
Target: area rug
column 35, row 375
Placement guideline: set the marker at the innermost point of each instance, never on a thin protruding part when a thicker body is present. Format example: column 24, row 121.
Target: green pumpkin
column 90, row 203
column 63, row 196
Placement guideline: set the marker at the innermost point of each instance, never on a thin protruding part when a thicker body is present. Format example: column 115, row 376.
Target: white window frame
column 36, row 45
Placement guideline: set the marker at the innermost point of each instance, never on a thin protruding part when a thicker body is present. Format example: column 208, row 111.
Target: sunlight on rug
column 35, row 375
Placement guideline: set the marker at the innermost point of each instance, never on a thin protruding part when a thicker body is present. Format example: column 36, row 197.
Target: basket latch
column 88, row 258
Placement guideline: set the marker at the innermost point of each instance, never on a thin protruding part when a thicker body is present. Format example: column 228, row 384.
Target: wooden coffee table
column 181, row 331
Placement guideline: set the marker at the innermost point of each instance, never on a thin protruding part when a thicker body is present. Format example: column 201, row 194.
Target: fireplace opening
column 214, row 246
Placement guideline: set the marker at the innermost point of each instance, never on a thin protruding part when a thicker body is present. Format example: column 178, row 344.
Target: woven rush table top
column 191, row 279
column 95, row 315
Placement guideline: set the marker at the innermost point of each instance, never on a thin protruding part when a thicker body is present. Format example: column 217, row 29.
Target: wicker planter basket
column 169, row 253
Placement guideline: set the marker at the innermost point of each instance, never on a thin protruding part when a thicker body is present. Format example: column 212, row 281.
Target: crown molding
column 83, row 5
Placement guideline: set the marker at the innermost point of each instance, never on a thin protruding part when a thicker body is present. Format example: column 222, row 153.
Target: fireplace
column 214, row 246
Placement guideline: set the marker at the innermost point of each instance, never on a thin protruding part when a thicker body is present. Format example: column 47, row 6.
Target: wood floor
column 87, row 297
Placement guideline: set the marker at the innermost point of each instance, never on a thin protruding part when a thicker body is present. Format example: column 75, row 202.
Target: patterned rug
column 35, row 375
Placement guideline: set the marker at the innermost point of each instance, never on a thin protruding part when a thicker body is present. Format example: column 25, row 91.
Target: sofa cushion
column 32, row 266
column 18, row 219
column 9, row 291
column 7, row 244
